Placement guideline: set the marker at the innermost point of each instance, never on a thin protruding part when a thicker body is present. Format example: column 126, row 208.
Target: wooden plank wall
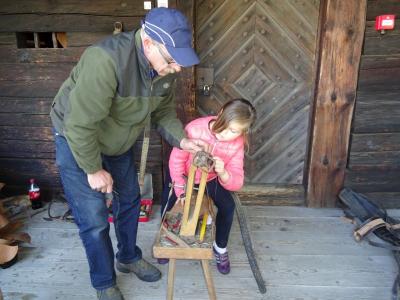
column 30, row 78
column 374, row 161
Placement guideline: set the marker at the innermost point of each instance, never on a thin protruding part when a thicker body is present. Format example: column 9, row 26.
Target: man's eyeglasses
column 168, row 59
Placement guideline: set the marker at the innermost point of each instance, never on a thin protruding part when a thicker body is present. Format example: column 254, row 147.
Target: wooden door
column 262, row 50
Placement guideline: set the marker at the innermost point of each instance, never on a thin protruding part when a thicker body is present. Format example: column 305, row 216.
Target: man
column 118, row 85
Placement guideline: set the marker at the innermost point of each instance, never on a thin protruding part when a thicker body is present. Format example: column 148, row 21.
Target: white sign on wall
column 162, row 3
column 147, row 5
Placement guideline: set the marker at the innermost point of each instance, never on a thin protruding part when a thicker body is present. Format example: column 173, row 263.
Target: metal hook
column 117, row 27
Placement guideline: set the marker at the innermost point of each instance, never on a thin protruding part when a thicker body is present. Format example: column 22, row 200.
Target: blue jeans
column 90, row 211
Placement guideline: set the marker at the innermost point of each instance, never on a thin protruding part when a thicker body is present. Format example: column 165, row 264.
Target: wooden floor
column 303, row 253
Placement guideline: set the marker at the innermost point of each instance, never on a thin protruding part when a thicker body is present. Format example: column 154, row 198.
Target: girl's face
column 230, row 133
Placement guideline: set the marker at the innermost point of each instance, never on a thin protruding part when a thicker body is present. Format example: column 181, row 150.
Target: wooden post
column 171, row 278
column 342, row 30
column 185, row 89
column 207, row 276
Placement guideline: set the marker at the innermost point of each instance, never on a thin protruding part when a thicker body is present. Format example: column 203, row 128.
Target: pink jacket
column 232, row 153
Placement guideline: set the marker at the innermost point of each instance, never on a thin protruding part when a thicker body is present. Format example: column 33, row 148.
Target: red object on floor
column 146, row 209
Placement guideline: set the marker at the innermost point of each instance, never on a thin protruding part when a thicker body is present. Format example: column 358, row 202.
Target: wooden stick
column 171, row 278
column 208, row 278
column 203, row 227
column 189, row 228
column 176, row 239
column 188, row 196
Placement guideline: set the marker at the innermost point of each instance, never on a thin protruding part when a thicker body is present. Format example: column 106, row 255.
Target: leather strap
column 145, row 151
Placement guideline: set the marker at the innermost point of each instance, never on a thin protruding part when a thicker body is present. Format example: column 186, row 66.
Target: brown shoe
column 142, row 269
column 112, row 293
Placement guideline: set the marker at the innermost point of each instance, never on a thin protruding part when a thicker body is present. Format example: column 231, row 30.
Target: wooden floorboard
column 303, row 254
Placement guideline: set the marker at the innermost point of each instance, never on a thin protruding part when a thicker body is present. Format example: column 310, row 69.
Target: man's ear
column 148, row 48
column 147, row 43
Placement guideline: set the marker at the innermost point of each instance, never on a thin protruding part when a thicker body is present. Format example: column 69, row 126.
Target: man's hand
column 194, row 145
column 101, row 181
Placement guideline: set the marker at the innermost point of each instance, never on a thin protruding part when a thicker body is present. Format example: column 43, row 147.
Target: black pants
column 223, row 201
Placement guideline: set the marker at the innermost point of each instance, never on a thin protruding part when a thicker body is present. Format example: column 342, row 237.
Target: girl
column 227, row 136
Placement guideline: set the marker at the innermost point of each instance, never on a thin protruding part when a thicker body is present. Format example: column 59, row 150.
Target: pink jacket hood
column 232, row 153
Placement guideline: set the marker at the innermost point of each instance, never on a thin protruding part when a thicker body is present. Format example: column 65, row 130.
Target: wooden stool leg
column 208, row 278
column 171, row 278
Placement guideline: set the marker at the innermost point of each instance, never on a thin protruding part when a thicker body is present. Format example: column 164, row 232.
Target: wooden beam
column 382, row 7
column 185, row 95
column 272, row 194
column 10, row 54
column 65, row 23
column 343, row 25
column 186, row 81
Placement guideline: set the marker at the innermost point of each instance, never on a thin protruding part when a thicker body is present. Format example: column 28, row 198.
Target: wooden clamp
column 204, row 161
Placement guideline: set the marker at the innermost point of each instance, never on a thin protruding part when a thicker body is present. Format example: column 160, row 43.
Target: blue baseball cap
column 170, row 27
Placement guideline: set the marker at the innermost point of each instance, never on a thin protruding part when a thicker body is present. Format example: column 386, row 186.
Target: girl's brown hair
column 237, row 110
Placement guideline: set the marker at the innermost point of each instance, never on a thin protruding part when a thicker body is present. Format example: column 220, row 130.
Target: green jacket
column 106, row 101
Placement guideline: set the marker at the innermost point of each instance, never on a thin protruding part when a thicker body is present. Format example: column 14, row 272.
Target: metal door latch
column 205, row 80
column 206, row 90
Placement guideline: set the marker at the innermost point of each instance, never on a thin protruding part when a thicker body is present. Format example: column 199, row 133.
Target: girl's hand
column 180, row 200
column 219, row 168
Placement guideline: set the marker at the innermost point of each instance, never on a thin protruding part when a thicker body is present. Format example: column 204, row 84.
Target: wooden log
column 377, row 117
column 32, row 88
column 10, row 54
column 28, row 133
column 84, row 39
column 27, row 149
column 390, row 160
column 373, row 179
column 385, row 200
column 382, row 7
column 23, row 119
column 375, row 142
column 272, row 194
column 378, row 44
column 380, row 61
column 99, row 7
column 25, row 105
column 19, row 171
column 8, row 39
column 343, row 24
column 185, row 98
column 379, row 79
column 376, row 96
column 35, row 71
column 66, row 23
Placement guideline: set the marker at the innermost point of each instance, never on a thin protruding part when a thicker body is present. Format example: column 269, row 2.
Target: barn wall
column 30, row 78
column 374, row 161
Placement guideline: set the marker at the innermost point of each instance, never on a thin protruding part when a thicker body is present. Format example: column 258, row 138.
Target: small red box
column 384, row 22
column 146, row 208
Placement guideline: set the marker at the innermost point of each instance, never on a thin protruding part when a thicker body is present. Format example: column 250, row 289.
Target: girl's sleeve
column 177, row 162
column 235, row 170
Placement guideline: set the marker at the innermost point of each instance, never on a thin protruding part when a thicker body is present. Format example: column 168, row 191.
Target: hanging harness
column 373, row 219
